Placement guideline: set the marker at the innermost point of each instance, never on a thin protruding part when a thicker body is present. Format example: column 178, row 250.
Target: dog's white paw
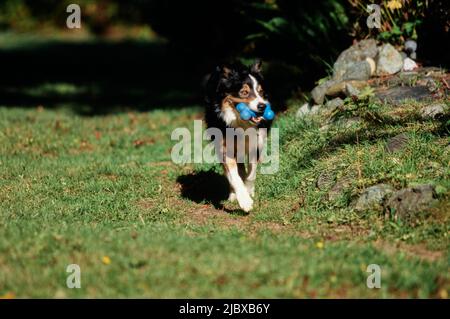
column 232, row 197
column 245, row 201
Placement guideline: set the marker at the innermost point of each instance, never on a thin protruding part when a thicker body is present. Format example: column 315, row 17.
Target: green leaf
column 274, row 24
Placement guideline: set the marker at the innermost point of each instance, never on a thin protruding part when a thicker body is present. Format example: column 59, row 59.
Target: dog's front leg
column 243, row 175
column 237, row 184
column 254, row 159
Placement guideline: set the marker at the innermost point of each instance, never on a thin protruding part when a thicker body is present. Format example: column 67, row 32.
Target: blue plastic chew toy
column 246, row 113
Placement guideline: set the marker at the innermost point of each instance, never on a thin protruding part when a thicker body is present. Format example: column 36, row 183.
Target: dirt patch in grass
column 227, row 218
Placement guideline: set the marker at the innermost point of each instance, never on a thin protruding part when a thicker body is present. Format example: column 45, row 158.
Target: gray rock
column 357, row 52
column 400, row 93
column 350, row 90
column 334, row 103
column 433, row 111
column 339, row 188
column 318, row 93
column 410, row 46
column 397, row 143
column 409, row 65
column 390, row 61
column 338, row 87
column 306, row 109
column 360, row 70
column 373, row 197
column 333, row 88
column 407, row 203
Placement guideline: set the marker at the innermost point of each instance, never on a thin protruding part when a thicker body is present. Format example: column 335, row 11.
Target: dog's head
column 243, row 84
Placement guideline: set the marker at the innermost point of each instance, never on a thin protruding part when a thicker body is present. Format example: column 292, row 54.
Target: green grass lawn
column 103, row 193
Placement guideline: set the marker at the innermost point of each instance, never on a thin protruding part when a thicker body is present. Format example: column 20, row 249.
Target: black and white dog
column 226, row 87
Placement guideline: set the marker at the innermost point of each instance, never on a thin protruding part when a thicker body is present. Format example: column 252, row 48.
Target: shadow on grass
column 205, row 187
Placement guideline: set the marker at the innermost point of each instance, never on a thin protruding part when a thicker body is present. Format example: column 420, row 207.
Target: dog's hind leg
column 237, row 184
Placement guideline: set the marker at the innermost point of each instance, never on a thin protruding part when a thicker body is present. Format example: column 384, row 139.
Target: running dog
column 226, row 87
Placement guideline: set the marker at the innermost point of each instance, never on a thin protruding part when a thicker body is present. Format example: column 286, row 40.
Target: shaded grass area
column 78, row 189
column 92, row 76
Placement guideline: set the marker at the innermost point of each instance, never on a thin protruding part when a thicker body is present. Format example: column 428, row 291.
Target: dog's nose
column 261, row 107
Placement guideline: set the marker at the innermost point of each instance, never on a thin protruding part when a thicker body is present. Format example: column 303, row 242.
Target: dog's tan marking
column 245, row 91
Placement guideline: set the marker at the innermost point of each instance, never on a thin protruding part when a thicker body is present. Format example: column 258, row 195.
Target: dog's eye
column 243, row 93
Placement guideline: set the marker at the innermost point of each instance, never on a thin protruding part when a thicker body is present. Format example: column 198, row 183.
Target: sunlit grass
column 77, row 189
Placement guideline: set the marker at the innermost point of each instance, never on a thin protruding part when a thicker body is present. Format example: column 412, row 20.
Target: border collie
column 227, row 86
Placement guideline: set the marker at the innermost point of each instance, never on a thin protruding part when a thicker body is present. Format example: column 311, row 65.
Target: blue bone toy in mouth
column 247, row 114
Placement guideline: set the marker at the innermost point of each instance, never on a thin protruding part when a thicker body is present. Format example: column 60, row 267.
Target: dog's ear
column 225, row 71
column 256, row 67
